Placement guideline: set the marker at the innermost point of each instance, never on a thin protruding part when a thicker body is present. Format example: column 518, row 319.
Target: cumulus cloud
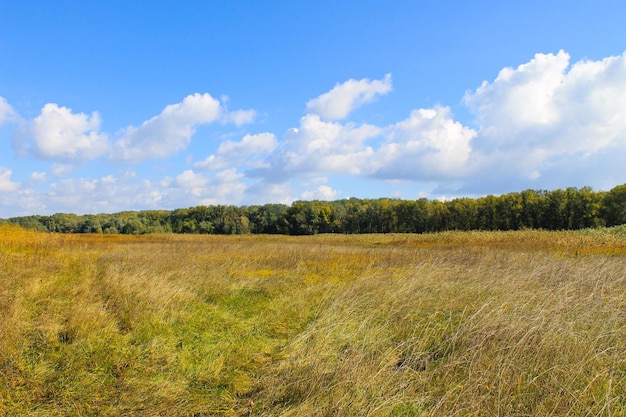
column 113, row 193
column 317, row 188
column 429, row 145
column 225, row 187
column 247, row 151
column 319, row 192
column 169, row 132
column 249, row 145
column 59, row 134
column 7, row 113
column 318, row 146
column 194, row 183
column 323, row 192
column 535, row 123
column 15, row 198
column 520, row 97
column 6, row 184
column 546, row 113
column 108, row 194
column 344, row 98
column 263, row 192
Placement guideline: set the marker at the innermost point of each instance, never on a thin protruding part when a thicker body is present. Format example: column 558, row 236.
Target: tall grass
column 515, row 323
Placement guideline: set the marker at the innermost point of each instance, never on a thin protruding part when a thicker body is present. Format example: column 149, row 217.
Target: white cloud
column 239, row 117
column 16, row 199
column 320, row 147
column 59, row 134
column 211, row 163
column 194, row 183
column 7, row 114
column 249, row 145
column 112, row 193
column 317, row 189
column 264, row 192
column 169, row 132
column 225, row 187
column 545, row 114
column 6, row 185
column 428, row 145
column 520, row 97
column 323, row 192
column 247, row 150
column 108, row 194
column 39, row 176
column 343, row 98
column 62, row 170
column 535, row 122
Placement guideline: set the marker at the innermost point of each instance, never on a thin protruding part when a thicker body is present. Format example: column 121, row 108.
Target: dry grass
column 516, row 324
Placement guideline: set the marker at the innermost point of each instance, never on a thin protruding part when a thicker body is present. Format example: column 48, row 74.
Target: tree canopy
column 572, row 208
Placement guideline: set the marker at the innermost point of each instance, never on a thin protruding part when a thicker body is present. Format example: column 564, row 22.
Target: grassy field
column 455, row 324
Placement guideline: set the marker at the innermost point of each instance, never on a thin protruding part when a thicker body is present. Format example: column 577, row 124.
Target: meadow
column 525, row 323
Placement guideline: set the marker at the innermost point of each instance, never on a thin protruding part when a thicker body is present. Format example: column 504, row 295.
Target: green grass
column 515, row 323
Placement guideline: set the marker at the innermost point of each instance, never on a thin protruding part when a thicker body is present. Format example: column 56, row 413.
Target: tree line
column 572, row 208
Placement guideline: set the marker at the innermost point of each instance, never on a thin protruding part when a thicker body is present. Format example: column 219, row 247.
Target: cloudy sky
column 113, row 105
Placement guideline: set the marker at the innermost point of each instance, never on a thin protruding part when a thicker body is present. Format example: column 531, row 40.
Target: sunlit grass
column 498, row 323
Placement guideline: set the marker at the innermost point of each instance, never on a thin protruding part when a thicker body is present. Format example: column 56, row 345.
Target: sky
column 108, row 106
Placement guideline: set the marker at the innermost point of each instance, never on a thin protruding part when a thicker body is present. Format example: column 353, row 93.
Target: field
column 526, row 323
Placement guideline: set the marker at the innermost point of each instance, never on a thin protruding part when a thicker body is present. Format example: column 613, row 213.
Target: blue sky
column 116, row 105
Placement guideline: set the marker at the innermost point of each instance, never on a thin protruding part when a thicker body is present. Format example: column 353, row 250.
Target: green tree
column 613, row 207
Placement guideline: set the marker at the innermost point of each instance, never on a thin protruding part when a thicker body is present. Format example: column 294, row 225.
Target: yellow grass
column 510, row 324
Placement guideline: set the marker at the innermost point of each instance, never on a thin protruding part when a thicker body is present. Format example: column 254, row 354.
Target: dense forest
column 572, row 208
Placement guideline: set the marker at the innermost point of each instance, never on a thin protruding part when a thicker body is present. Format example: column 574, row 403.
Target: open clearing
column 474, row 323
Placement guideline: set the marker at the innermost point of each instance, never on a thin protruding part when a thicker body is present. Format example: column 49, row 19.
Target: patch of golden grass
column 498, row 323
